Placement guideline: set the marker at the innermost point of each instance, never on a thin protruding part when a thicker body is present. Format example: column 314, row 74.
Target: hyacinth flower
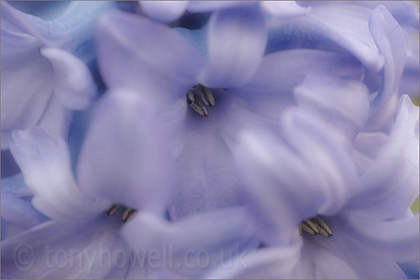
column 44, row 75
column 168, row 12
column 86, row 212
column 173, row 80
column 364, row 226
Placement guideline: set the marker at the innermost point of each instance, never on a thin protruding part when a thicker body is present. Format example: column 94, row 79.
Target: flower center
column 315, row 226
column 198, row 97
column 126, row 215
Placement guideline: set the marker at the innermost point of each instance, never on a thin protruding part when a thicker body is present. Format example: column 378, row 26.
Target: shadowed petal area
column 164, row 11
column 16, row 186
column 236, row 40
column 64, row 250
column 128, row 60
column 338, row 25
column 74, row 84
column 128, row 152
column 218, row 235
column 45, row 164
column 211, row 6
column 390, row 184
column 391, row 42
column 19, row 212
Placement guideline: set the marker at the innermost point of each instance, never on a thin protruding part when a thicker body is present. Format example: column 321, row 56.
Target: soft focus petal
column 164, row 11
column 27, row 83
column 342, row 104
column 127, row 153
column 45, row 163
column 236, row 40
column 397, row 240
column 391, row 183
column 19, row 212
column 267, row 263
column 74, row 84
column 128, row 60
column 284, row 8
column 337, row 25
column 15, row 185
column 64, row 250
column 204, row 176
column 218, row 235
column 211, row 6
column 390, row 41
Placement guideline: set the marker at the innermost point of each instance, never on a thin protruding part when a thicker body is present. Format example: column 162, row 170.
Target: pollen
column 315, row 226
column 199, row 98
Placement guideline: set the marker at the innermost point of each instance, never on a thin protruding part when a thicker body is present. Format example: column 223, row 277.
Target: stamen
column 128, row 213
column 196, row 104
column 315, row 226
column 111, row 210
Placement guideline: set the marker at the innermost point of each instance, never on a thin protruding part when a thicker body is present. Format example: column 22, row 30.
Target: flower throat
column 198, row 97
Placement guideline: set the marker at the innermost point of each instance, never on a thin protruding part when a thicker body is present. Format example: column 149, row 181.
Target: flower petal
column 128, row 60
column 236, row 40
column 74, row 84
column 390, row 185
column 128, row 152
column 215, row 234
column 64, row 250
column 391, row 43
column 345, row 26
column 284, row 8
column 19, row 212
column 211, row 6
column 16, row 186
column 45, row 163
column 26, row 87
column 396, row 240
column 164, row 11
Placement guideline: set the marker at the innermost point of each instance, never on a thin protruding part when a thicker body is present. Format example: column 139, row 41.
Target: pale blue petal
column 390, row 183
column 74, row 84
column 15, row 185
column 45, row 163
column 236, row 41
column 59, row 250
column 128, row 153
column 391, row 43
column 219, row 235
column 129, row 61
column 284, row 8
column 211, row 6
column 19, row 212
column 343, row 26
column 164, row 11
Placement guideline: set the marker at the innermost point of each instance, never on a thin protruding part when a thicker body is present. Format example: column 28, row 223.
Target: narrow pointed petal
column 74, row 84
column 129, row 61
column 128, row 151
column 164, row 11
column 391, row 43
column 345, row 26
column 45, row 164
column 391, row 183
column 236, row 40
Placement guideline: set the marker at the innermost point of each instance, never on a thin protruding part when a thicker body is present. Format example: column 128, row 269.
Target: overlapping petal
column 164, row 11
column 45, row 163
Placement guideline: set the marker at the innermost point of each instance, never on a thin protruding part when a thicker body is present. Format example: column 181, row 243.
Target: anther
column 200, row 92
column 111, row 210
column 315, row 226
column 128, row 213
